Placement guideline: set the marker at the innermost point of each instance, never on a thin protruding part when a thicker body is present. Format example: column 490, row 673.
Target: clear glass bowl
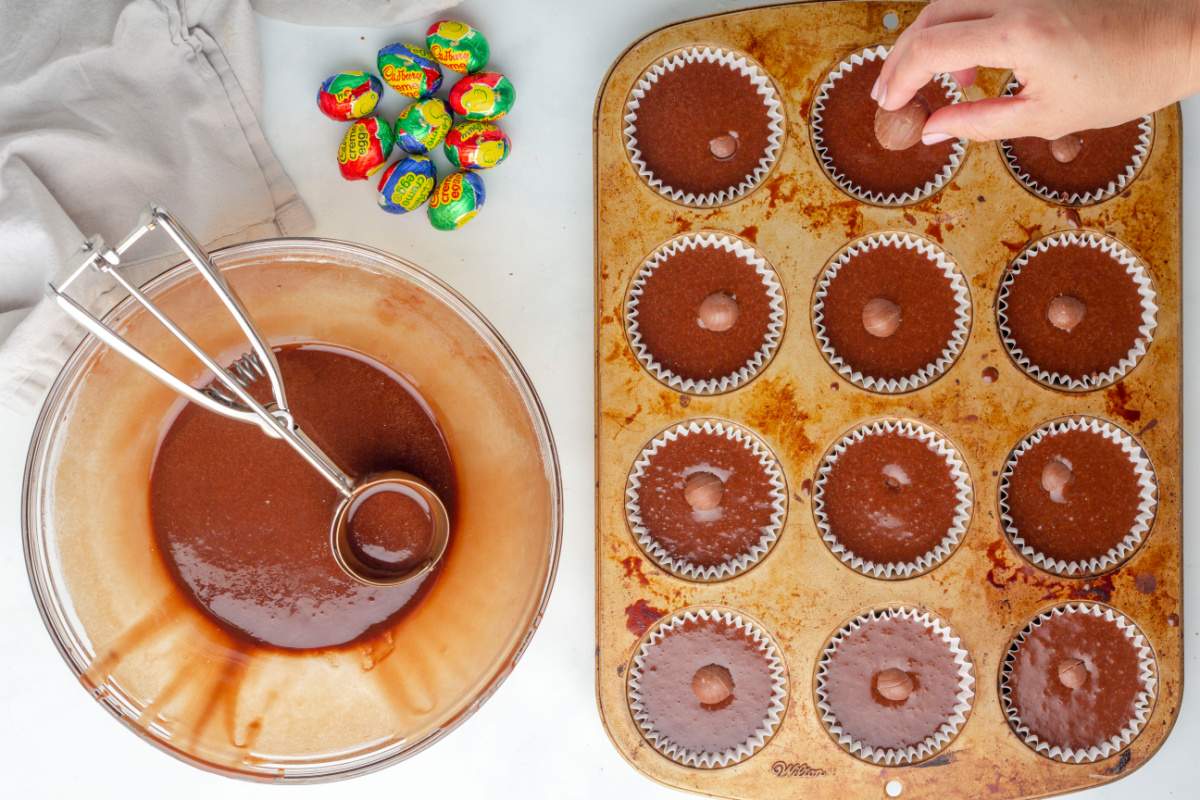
column 160, row 665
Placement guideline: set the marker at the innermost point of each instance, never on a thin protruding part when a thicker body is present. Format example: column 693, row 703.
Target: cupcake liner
column 931, row 371
column 733, row 61
column 1133, row 267
column 756, row 363
column 917, row 194
column 770, row 533
column 962, row 516
column 1147, row 506
column 934, row 742
column 1143, row 704
column 1099, row 195
column 697, row 758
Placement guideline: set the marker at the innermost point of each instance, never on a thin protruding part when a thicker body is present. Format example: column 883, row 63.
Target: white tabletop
column 526, row 262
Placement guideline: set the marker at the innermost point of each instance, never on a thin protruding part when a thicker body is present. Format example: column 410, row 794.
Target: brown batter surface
column 928, row 312
column 1106, row 153
column 685, row 110
column 1109, row 327
column 705, row 538
column 1100, row 504
column 879, row 518
column 1083, row 717
column 243, row 522
column 848, row 132
column 892, row 643
column 668, row 308
column 672, row 708
column 391, row 529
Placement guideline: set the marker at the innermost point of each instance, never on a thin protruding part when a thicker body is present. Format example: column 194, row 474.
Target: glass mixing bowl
column 162, row 666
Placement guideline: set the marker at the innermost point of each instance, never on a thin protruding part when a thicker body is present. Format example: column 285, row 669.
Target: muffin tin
column 799, row 405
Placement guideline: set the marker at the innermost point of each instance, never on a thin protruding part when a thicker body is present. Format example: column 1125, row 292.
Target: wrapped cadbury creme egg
column 410, row 70
column 423, row 125
column 406, row 184
column 476, row 145
column 365, row 148
column 457, row 45
column 349, row 95
column 456, row 200
column 483, row 97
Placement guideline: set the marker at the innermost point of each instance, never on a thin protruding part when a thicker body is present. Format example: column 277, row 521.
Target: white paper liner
column 1143, row 703
column 1147, row 506
column 698, row 758
column 755, row 363
column 732, row 60
column 935, row 741
column 770, row 532
column 958, row 338
column 962, row 515
column 917, row 194
column 1133, row 267
column 1098, row 195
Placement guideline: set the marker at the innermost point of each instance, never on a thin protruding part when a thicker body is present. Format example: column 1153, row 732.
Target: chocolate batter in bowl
column 323, row 678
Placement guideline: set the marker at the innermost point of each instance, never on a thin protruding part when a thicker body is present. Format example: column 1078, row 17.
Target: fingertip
column 964, row 77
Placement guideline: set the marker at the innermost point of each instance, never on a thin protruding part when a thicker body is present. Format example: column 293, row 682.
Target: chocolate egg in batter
column 243, row 522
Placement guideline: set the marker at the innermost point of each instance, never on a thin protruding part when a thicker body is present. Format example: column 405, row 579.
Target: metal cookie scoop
column 232, row 399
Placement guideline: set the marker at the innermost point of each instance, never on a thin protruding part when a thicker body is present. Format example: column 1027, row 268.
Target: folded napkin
column 103, row 108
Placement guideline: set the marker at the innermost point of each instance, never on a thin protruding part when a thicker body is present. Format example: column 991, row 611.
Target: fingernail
column 935, row 138
column 878, row 91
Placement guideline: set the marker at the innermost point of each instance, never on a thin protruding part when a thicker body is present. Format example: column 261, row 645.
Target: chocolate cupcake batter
column 1091, row 713
column 927, row 307
column 882, row 645
column 1091, row 514
column 713, row 536
column 668, row 313
column 243, row 521
column 1109, row 327
column 686, row 120
column 1104, row 156
column 391, row 529
column 847, row 131
column 889, row 498
column 672, row 708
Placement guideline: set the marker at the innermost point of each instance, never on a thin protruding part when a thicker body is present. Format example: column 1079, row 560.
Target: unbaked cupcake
column 894, row 686
column 705, row 313
column 703, row 126
column 1076, row 310
column 1078, row 682
column 892, row 499
column 1078, row 496
column 706, row 500
column 707, row 688
column 891, row 312
column 1081, row 168
column 842, row 120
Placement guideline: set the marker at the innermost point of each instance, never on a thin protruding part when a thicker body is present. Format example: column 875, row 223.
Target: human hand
column 1081, row 64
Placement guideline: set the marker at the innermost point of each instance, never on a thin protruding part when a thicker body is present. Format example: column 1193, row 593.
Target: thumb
column 982, row 120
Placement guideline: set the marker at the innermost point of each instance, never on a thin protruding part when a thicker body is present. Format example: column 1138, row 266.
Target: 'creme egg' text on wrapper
column 411, row 70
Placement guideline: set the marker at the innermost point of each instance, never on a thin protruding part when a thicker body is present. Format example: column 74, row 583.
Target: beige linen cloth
column 106, row 105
